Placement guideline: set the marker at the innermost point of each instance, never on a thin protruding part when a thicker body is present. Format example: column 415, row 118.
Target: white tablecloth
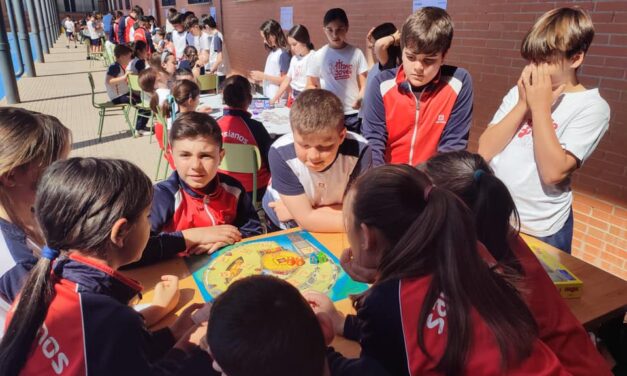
column 275, row 120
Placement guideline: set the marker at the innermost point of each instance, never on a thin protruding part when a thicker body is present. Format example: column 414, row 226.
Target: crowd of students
column 377, row 150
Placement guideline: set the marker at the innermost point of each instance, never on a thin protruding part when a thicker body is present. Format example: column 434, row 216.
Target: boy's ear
column 343, row 134
column 577, row 60
column 119, row 231
column 222, row 154
column 8, row 179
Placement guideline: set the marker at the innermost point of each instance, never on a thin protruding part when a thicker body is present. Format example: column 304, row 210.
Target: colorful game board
column 296, row 257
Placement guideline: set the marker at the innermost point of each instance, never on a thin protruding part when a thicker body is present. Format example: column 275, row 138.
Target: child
column 93, row 31
column 129, row 30
column 179, row 36
column 302, row 51
column 423, row 106
column 239, row 128
column 159, row 41
column 198, row 209
column 213, row 42
column 568, row 123
column 189, row 61
column 118, row 28
column 140, row 53
column 312, row 167
column 31, row 142
column 69, row 31
column 340, row 67
column 73, row 315
column 383, row 50
column 278, row 61
column 293, row 342
column 172, row 12
column 184, row 74
column 194, row 32
column 116, row 78
column 168, row 63
column 142, row 34
column 434, row 306
column 470, row 178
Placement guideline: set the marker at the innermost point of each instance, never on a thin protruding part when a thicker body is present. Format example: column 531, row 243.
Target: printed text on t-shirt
column 341, row 71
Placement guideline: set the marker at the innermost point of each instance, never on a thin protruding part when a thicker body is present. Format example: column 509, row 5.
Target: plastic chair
column 92, row 55
column 133, row 86
column 104, row 106
column 244, row 159
column 208, row 82
column 164, row 146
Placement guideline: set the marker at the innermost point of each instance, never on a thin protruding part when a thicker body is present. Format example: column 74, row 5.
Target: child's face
column 162, row 80
column 179, row 27
column 559, row 71
column 297, row 47
column 170, row 64
column 335, row 32
column 270, row 41
column 318, row 150
column 195, row 30
column 125, row 59
column 136, row 239
column 421, row 69
column 197, row 160
column 143, row 54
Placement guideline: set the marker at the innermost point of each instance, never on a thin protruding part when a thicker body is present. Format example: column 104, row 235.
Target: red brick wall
column 487, row 39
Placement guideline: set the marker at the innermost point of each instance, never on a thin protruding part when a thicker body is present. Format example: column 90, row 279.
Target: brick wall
column 487, row 39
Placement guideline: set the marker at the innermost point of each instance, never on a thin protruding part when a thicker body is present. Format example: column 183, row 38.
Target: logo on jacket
column 441, row 119
column 341, row 71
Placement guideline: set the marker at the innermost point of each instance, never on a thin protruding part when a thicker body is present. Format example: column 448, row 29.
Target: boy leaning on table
column 312, row 166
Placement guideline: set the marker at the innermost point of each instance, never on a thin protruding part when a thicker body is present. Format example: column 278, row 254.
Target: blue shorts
column 68, row 34
column 95, row 42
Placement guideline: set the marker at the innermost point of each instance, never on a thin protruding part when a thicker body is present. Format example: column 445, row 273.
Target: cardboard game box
column 566, row 282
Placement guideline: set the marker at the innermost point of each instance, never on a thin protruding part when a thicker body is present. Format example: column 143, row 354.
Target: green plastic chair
column 244, row 159
column 104, row 106
column 144, row 104
column 208, row 82
column 164, row 122
column 93, row 55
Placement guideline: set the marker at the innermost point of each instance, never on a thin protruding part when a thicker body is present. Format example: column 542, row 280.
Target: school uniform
column 387, row 328
column 238, row 127
column 291, row 177
column 177, row 207
column 90, row 329
column 142, row 35
column 118, row 93
column 128, row 29
column 121, row 33
column 186, row 64
column 277, row 63
column 406, row 126
column 136, row 65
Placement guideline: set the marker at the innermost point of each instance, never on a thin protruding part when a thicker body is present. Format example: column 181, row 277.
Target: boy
column 212, row 42
column 68, row 24
column 340, row 67
column 312, row 167
column 129, row 30
column 116, row 78
column 198, row 209
column 547, row 125
column 143, row 35
column 180, row 37
column 93, row 31
column 423, row 106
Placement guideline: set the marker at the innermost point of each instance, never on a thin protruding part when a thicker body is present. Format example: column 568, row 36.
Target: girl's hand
column 370, row 39
column 356, row 271
column 320, row 303
column 167, row 292
column 282, row 213
column 274, row 100
column 397, row 38
column 257, row 76
column 184, row 322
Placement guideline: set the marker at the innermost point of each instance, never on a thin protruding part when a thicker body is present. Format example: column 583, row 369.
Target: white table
column 275, row 120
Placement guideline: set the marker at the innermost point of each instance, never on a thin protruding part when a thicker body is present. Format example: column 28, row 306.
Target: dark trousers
column 563, row 239
column 353, row 123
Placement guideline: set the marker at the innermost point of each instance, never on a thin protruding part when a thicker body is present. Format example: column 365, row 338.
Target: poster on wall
column 417, row 4
column 287, row 17
column 212, row 12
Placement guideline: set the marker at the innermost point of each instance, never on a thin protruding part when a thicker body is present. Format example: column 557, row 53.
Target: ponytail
column 432, row 234
column 28, row 316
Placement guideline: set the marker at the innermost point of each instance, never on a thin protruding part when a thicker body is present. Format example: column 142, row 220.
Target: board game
column 296, row 257
column 566, row 282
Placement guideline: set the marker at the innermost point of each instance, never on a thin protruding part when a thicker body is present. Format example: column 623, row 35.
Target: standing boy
column 423, row 106
column 312, row 166
column 68, row 24
column 340, row 68
column 547, row 125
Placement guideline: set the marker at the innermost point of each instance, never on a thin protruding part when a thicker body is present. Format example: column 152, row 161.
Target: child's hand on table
column 281, row 211
column 209, row 239
column 325, row 310
column 167, row 292
column 354, row 270
column 204, row 109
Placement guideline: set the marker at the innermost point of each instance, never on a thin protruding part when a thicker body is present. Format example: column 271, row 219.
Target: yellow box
column 566, row 282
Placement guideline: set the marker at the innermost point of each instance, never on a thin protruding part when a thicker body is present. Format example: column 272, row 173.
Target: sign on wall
column 287, row 17
column 212, row 12
column 417, row 4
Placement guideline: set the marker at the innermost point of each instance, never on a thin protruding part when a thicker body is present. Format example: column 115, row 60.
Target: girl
column 168, row 63
column 73, row 314
column 278, row 61
column 384, row 51
column 239, row 128
column 198, row 209
column 140, row 53
column 302, row 51
column 470, row 178
column 434, row 307
column 213, row 42
column 189, row 61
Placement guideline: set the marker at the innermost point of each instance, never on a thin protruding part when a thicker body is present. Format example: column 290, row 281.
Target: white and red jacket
column 401, row 128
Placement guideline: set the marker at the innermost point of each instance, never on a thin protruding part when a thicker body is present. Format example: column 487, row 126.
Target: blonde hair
column 315, row 110
column 28, row 137
column 559, row 33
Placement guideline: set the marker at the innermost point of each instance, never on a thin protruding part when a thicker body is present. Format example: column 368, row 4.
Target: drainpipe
column 42, row 27
column 22, row 31
column 18, row 55
column 34, row 30
column 6, row 65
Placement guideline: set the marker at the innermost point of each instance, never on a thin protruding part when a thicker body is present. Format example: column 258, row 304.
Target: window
column 128, row 4
column 168, row 3
column 199, row 1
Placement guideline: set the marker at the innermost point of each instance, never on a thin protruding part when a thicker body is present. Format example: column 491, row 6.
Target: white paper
column 212, row 12
column 287, row 17
column 417, row 4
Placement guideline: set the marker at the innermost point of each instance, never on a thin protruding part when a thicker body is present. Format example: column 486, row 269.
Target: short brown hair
column 316, row 109
column 559, row 33
column 429, row 30
column 121, row 50
column 195, row 124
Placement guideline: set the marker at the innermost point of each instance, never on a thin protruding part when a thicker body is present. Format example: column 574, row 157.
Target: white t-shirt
column 205, row 42
column 180, row 42
column 273, row 68
column 337, row 70
column 91, row 28
column 69, row 26
column 298, row 71
column 580, row 119
column 216, row 46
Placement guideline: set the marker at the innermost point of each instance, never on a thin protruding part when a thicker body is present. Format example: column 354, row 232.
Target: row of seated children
column 423, row 245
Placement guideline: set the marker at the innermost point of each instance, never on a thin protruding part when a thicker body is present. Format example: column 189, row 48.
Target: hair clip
column 49, row 253
column 477, row 175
